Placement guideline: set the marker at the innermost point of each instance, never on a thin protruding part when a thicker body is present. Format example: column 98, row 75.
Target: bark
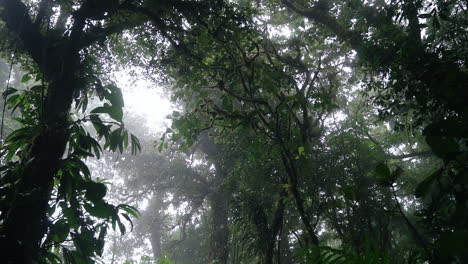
column 59, row 60
column 217, row 199
column 219, row 221
column 26, row 221
column 274, row 230
column 284, row 252
column 156, row 232
column 292, row 173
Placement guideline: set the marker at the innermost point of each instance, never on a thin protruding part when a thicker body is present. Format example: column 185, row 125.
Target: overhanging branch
column 17, row 19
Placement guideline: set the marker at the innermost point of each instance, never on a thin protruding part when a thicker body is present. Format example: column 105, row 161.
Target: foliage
column 336, row 129
column 80, row 216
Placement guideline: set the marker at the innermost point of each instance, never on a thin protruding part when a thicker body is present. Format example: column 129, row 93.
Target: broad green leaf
column 115, row 96
column 9, row 92
column 382, row 170
column 26, row 78
column 60, row 230
column 95, row 191
column 115, row 112
column 100, row 209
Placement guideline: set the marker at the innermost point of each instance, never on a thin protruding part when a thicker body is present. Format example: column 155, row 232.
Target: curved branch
column 17, row 19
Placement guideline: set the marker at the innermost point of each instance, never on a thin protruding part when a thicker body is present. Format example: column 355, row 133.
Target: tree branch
column 15, row 15
column 44, row 8
column 426, row 153
column 321, row 16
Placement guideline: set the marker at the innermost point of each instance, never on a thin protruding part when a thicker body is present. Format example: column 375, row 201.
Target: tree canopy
column 304, row 132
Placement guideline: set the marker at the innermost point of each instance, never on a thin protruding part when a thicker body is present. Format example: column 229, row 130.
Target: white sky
column 144, row 98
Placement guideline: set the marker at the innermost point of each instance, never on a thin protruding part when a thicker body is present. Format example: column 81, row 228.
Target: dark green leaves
column 425, row 186
column 113, row 111
column 135, row 143
column 100, row 209
column 26, row 78
column 113, row 94
column 385, row 176
column 382, row 170
column 95, row 191
column 114, row 133
column 129, row 209
column 9, row 91
column 59, row 231
column 443, row 137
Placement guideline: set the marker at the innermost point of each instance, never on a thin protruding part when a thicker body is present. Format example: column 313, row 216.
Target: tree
column 62, row 54
column 302, row 126
column 396, row 50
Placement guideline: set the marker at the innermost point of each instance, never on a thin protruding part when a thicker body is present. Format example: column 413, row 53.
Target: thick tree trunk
column 217, row 199
column 156, row 226
column 284, row 251
column 26, row 220
column 219, row 221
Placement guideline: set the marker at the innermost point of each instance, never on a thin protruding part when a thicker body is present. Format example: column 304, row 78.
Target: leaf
column 52, row 258
column 77, row 163
column 22, row 134
column 300, row 150
column 26, row 78
column 101, row 239
column 135, row 143
column 164, row 260
column 125, row 138
column 129, row 209
column 37, row 88
column 121, row 226
column 115, row 96
column 115, row 112
column 9, row 91
column 129, row 220
column 423, row 188
column 95, row 147
column 100, row 209
column 70, row 215
column 115, row 140
column 428, row 15
column 349, row 192
column 382, row 170
column 14, row 101
column 95, row 191
column 60, row 230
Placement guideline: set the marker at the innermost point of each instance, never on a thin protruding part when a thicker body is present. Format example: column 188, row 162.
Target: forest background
column 303, row 132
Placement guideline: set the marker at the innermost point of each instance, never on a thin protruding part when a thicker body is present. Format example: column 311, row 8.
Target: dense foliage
column 305, row 132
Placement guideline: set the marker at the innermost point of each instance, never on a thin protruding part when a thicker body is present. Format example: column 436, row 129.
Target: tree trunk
column 219, row 221
column 219, row 236
column 156, row 226
column 284, row 251
column 26, row 220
